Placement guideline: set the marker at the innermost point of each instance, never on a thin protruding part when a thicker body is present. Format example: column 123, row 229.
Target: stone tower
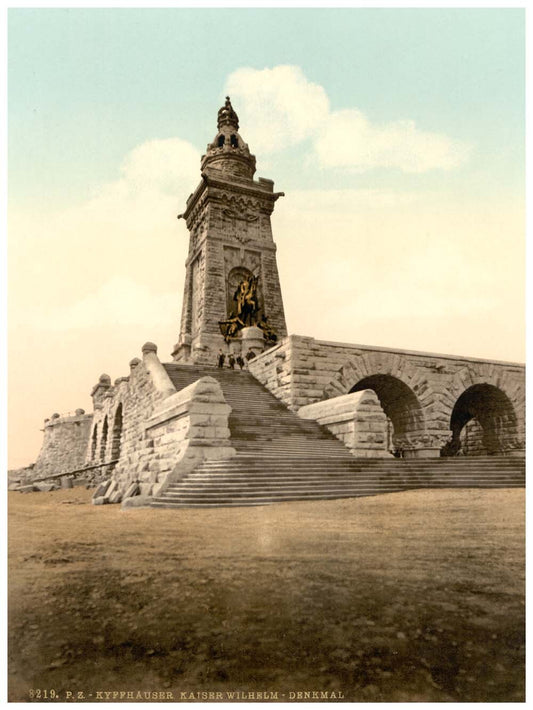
column 231, row 281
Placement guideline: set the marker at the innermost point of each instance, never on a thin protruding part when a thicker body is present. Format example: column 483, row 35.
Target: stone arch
column 399, row 404
column 116, row 433
column 103, row 440
column 511, row 384
column 94, row 441
column 402, row 389
column 491, row 411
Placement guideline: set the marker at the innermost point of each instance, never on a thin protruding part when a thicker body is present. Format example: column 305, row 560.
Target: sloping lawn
column 415, row 596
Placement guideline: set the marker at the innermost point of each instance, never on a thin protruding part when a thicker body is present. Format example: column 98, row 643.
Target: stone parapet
column 418, row 391
column 160, row 379
column 356, row 419
column 188, row 427
column 154, row 431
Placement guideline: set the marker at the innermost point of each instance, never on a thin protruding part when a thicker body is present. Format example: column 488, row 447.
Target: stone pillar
column 184, row 346
column 159, row 375
column 252, row 339
column 100, row 390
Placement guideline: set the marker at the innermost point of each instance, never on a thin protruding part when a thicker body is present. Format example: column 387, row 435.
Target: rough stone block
column 111, row 489
column 102, row 488
column 131, row 490
column 45, row 487
column 136, row 502
column 157, row 488
column 145, row 488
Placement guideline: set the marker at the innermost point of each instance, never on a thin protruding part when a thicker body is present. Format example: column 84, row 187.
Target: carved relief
column 240, row 218
column 253, row 259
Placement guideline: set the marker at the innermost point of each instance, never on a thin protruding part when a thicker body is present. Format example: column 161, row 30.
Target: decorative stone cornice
column 261, row 190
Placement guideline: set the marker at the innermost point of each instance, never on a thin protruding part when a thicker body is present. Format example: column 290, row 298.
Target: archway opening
column 483, row 421
column 405, row 420
column 94, row 441
column 103, row 441
column 116, row 434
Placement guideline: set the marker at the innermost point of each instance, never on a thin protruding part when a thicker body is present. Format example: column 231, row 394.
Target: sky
column 396, row 135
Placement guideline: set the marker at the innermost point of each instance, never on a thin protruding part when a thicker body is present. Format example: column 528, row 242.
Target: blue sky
column 396, row 135
column 86, row 86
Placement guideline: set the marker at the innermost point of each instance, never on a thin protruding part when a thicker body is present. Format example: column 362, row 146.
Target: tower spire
column 228, row 153
column 227, row 116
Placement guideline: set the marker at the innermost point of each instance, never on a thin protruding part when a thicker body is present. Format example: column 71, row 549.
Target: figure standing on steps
column 221, row 358
column 231, row 361
column 240, row 361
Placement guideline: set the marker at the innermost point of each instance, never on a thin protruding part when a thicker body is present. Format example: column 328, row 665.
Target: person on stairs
column 220, row 359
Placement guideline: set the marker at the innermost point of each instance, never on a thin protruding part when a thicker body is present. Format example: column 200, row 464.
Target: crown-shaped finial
column 227, row 116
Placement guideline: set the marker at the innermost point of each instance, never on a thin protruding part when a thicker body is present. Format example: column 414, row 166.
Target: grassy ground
column 415, row 596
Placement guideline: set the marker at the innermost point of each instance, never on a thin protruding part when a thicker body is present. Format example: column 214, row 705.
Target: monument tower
column 232, row 295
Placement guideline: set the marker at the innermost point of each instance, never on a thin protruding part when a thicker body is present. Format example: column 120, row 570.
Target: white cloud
column 128, row 226
column 349, row 140
column 162, row 165
column 280, row 108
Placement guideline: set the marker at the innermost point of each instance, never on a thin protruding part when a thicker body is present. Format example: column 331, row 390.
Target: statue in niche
column 230, row 327
column 246, row 311
column 247, row 302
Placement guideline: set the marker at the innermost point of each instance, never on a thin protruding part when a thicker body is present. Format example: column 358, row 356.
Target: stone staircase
column 281, row 457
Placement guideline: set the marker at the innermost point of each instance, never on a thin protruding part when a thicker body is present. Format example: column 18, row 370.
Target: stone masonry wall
column 301, row 370
column 472, row 439
column 64, row 444
column 163, row 433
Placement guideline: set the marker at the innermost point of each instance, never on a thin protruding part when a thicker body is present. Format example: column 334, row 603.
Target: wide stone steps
column 283, row 449
column 239, row 490
column 246, row 462
column 278, row 478
column 218, row 499
column 262, row 481
column 258, row 420
column 281, row 457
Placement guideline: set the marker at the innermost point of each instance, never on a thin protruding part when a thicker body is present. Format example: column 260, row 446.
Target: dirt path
column 401, row 597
